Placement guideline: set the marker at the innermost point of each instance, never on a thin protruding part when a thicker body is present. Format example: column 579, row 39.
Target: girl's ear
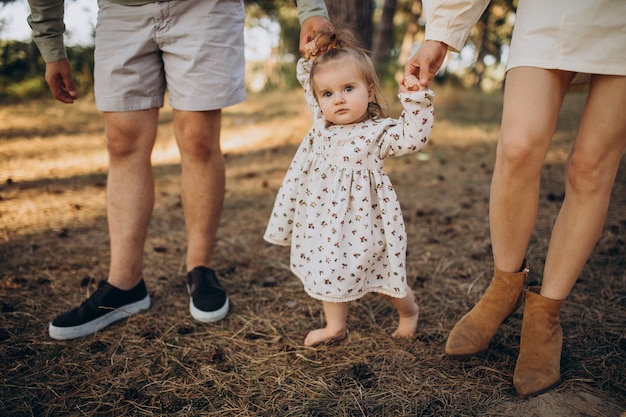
column 371, row 90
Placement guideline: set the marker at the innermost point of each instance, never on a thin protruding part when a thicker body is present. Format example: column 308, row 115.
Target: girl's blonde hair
column 343, row 44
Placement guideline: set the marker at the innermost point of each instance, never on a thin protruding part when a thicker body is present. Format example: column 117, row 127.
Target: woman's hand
column 426, row 61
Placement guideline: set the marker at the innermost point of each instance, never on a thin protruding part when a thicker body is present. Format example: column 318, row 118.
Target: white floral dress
column 337, row 208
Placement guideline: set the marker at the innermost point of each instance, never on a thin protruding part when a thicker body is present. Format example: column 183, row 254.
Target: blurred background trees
column 391, row 29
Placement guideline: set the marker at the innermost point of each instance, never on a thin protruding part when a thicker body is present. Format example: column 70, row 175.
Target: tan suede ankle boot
column 472, row 334
column 538, row 367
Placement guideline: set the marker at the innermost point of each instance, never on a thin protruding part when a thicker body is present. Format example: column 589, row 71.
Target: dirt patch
column 54, row 252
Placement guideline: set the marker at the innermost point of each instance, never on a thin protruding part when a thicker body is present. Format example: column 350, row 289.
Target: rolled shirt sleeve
column 450, row 21
column 310, row 8
column 46, row 21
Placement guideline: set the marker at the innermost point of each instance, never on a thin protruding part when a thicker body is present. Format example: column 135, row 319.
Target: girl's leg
column 409, row 315
column 336, row 321
column 591, row 169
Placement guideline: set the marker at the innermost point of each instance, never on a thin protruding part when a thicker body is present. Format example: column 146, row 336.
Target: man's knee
column 130, row 133
column 198, row 134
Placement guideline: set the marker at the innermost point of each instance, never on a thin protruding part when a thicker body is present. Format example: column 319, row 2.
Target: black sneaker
column 105, row 306
column 208, row 301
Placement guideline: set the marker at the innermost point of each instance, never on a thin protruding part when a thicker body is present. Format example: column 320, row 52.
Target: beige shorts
column 192, row 48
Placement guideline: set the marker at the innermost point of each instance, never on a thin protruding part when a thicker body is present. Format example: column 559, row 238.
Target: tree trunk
column 355, row 15
column 479, row 66
column 408, row 40
column 383, row 36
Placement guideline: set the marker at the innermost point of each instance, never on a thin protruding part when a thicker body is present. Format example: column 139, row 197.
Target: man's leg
column 130, row 191
column 130, row 199
column 203, row 185
column 202, row 181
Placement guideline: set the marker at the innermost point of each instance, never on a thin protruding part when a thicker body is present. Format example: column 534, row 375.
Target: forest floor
column 54, row 252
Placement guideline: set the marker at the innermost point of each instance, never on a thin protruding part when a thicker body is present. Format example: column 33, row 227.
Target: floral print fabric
column 337, row 207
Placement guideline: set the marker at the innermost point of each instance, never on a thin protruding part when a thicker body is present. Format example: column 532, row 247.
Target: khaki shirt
column 46, row 21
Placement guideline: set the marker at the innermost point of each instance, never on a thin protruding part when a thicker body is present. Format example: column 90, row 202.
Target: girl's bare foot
column 407, row 325
column 317, row 336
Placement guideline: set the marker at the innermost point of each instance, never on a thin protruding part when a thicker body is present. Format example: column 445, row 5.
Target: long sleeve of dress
column 303, row 74
column 410, row 133
column 450, row 21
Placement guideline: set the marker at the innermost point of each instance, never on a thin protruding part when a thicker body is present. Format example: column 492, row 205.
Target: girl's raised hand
column 322, row 41
column 411, row 83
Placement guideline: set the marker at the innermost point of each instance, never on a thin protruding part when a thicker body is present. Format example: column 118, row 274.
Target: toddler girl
column 336, row 206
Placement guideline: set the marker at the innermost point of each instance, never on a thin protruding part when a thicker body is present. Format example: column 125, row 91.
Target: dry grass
column 54, row 251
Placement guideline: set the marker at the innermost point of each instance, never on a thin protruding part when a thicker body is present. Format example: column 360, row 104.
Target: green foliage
column 22, row 71
column 82, row 61
column 284, row 12
column 16, row 59
column 29, row 88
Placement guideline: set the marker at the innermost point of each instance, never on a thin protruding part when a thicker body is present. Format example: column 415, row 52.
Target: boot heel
column 538, row 367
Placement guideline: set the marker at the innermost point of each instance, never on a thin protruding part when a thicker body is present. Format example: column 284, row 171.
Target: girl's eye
column 349, row 88
column 327, row 94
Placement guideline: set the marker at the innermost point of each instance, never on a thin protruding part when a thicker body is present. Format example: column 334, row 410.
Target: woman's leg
column 592, row 165
column 532, row 102
column 336, row 322
column 591, row 168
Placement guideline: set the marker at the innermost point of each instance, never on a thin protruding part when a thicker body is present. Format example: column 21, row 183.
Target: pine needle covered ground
column 54, row 253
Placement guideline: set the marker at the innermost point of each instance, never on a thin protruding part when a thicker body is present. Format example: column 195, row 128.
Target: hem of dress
column 354, row 297
column 277, row 242
column 567, row 66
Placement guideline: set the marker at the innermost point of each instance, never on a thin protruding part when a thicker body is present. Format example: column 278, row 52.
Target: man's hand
column 426, row 61
column 308, row 29
column 59, row 79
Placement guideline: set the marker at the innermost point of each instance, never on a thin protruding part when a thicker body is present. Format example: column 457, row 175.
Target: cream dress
column 336, row 207
column 584, row 36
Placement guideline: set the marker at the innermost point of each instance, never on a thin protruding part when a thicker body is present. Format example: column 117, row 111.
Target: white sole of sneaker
column 67, row 333
column 208, row 316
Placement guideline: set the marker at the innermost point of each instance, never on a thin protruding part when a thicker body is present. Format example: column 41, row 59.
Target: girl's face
column 342, row 92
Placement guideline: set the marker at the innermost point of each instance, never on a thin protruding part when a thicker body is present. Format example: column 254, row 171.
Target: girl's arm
column 303, row 72
column 412, row 129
